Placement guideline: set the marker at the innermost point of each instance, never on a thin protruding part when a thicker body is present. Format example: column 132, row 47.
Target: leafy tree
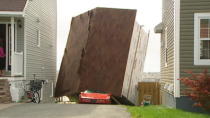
column 199, row 88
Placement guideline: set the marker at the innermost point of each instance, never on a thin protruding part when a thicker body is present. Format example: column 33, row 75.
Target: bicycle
column 34, row 87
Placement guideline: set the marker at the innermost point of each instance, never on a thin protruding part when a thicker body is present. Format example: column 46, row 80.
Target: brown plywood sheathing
column 97, row 52
column 68, row 78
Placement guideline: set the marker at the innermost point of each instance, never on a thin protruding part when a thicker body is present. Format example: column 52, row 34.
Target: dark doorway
column 3, row 37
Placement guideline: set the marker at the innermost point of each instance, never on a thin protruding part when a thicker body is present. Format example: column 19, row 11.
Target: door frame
column 7, row 41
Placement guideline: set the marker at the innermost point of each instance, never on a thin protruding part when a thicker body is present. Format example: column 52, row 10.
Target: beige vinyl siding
column 167, row 72
column 40, row 15
column 187, row 10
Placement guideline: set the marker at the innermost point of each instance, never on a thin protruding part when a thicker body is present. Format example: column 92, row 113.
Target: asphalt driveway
column 64, row 111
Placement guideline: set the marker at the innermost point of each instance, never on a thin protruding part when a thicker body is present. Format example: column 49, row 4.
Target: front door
column 6, row 36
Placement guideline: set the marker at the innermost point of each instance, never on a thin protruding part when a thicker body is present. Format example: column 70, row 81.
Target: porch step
column 5, row 95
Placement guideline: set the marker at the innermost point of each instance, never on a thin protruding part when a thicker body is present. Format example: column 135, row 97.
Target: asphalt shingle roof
column 12, row 5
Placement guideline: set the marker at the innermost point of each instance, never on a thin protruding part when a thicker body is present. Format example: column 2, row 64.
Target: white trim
column 9, row 13
column 25, row 49
column 26, row 5
column 12, row 43
column 16, row 29
column 197, row 60
column 177, row 48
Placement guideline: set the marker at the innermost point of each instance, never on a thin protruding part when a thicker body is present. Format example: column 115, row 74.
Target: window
column 202, row 39
column 38, row 38
column 166, row 46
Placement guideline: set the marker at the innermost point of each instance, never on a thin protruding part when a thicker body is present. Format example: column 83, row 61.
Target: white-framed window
column 38, row 38
column 202, row 39
column 166, row 46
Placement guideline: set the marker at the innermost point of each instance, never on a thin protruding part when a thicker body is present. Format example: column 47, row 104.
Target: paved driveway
column 64, row 111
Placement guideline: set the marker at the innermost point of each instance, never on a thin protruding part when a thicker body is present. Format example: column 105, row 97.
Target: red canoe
column 94, row 97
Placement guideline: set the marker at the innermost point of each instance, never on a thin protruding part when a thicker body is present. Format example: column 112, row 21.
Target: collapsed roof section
column 97, row 52
column 12, row 5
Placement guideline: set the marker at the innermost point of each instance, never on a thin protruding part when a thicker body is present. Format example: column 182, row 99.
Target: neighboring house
column 29, row 31
column 185, row 45
column 151, row 77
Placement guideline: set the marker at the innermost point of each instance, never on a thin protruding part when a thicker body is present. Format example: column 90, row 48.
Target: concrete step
column 5, row 93
column 5, row 100
column 5, row 96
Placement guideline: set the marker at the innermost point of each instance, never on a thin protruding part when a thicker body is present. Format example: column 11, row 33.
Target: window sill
column 202, row 62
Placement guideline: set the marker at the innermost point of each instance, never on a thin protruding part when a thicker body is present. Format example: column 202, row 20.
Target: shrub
column 199, row 88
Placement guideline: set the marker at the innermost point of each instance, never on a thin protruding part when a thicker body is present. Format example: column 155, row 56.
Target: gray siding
column 167, row 73
column 187, row 10
column 41, row 15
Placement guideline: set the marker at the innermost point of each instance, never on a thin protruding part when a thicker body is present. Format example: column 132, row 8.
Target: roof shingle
column 12, row 5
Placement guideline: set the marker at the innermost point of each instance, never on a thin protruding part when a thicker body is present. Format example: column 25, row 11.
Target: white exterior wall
column 135, row 64
column 41, row 15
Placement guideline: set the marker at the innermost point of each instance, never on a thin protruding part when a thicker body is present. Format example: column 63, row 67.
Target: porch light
column 38, row 20
column 19, row 23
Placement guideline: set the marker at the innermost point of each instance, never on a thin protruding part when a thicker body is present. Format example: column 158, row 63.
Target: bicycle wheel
column 36, row 97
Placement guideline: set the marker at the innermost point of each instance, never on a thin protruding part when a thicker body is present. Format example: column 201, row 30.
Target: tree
column 199, row 88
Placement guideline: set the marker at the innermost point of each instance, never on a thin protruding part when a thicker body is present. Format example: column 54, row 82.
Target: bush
column 199, row 88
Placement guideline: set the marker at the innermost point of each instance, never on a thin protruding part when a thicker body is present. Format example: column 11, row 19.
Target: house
column 28, row 30
column 185, row 42
column 151, row 77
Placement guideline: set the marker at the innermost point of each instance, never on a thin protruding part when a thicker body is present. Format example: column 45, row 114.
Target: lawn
column 161, row 112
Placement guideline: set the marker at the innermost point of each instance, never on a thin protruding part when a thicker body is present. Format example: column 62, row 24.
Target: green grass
column 161, row 112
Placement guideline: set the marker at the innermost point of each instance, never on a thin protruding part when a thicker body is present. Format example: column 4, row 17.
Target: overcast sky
column 148, row 14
